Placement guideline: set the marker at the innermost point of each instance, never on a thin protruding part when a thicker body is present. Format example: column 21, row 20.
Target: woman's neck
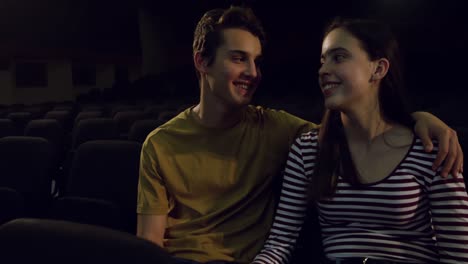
column 364, row 124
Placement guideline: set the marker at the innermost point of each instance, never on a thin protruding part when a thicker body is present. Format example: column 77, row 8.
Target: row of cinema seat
column 124, row 117
column 75, row 163
column 91, row 218
column 96, row 175
column 101, row 188
column 92, row 122
column 32, row 240
column 85, row 130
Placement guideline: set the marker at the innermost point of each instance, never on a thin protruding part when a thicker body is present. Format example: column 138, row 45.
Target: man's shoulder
column 272, row 113
column 267, row 110
column 170, row 127
column 280, row 120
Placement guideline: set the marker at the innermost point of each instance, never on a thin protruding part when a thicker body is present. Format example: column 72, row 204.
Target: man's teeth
column 330, row 86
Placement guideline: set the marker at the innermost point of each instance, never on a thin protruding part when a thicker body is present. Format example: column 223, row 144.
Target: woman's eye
column 339, row 57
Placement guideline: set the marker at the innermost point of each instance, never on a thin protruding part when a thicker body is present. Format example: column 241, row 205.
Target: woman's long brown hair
column 334, row 157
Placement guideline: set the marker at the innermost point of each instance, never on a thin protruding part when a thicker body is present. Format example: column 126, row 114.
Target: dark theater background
column 72, row 71
column 55, row 51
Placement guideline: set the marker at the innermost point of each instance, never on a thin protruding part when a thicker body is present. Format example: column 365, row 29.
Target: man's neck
column 217, row 116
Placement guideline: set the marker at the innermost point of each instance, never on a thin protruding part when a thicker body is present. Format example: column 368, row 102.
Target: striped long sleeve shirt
column 412, row 215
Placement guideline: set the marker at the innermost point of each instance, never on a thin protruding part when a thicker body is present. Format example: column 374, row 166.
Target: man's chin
column 240, row 103
column 245, row 101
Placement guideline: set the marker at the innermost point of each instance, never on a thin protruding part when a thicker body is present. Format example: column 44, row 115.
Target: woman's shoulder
column 308, row 139
column 310, row 135
column 419, row 145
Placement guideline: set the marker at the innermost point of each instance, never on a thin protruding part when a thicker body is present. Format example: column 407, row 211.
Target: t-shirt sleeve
column 152, row 194
column 296, row 125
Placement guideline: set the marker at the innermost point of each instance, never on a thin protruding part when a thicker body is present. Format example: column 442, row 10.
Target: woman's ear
column 381, row 69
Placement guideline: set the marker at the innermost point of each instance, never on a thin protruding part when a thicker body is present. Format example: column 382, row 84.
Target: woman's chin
column 333, row 106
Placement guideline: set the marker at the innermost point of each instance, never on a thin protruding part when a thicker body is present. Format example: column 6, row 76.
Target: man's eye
column 238, row 59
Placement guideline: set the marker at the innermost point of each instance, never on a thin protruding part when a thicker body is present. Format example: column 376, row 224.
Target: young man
column 207, row 176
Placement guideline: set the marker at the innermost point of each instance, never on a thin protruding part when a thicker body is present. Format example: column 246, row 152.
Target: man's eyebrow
column 243, row 53
column 238, row 52
column 328, row 52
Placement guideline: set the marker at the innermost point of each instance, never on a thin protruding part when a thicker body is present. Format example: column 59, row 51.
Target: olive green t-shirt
column 216, row 185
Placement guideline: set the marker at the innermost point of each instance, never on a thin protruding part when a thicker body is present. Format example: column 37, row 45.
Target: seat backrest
column 49, row 129
column 126, row 119
column 62, row 116
column 94, row 129
column 37, row 111
column 27, row 164
column 64, row 107
column 107, row 170
column 152, row 111
column 92, row 108
column 141, row 128
column 122, row 108
column 20, row 119
column 28, row 240
column 11, row 204
column 91, row 211
column 7, row 128
column 165, row 116
column 87, row 115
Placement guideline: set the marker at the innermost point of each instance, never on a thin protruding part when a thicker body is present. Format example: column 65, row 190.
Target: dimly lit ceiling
column 111, row 27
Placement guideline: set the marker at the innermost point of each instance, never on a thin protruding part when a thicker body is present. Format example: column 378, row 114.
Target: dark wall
column 433, row 35
column 60, row 28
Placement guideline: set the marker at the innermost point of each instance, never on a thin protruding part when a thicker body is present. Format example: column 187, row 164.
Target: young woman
column 366, row 172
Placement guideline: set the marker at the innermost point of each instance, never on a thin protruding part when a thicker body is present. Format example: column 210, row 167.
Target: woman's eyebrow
column 333, row 50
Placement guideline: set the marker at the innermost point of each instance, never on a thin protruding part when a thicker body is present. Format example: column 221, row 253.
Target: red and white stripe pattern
column 413, row 215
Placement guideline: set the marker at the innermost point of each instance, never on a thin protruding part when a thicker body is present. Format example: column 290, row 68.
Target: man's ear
column 200, row 62
column 381, row 69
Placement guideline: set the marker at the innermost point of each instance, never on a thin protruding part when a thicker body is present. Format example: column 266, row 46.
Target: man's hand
column 152, row 228
column 430, row 127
